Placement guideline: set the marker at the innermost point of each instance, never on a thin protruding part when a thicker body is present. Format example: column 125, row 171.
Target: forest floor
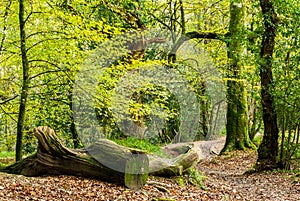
column 224, row 180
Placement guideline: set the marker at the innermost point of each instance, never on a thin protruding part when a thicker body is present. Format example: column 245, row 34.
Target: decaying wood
column 104, row 160
column 172, row 167
column 52, row 158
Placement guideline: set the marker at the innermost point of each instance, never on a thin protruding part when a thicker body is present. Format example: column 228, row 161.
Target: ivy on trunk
column 268, row 150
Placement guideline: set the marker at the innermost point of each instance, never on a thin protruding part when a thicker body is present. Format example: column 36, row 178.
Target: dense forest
column 154, row 72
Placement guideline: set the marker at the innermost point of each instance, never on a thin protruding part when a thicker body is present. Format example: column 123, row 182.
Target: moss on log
column 104, row 160
column 52, row 158
column 175, row 166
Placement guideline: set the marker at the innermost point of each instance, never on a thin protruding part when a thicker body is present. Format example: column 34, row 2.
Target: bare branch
column 7, row 100
column 45, row 72
column 48, row 39
column 8, row 114
column 52, row 64
column 194, row 35
column 43, row 32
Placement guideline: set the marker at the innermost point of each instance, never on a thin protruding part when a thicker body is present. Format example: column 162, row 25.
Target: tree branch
column 129, row 17
column 8, row 114
column 45, row 72
column 48, row 39
column 194, row 35
column 7, row 100
column 44, row 32
column 52, row 64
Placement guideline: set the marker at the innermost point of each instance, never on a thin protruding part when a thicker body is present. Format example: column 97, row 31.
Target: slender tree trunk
column 237, row 110
column 217, row 116
column 203, row 128
column 5, row 26
column 75, row 137
column 268, row 150
column 25, row 83
column 204, row 109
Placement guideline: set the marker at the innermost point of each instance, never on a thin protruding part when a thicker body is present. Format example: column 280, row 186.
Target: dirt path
column 225, row 174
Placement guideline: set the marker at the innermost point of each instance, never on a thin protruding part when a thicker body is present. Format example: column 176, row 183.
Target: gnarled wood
column 104, row 160
column 52, row 158
column 173, row 167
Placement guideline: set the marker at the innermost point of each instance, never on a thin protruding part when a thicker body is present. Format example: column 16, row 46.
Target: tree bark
column 237, row 110
column 75, row 137
column 118, row 164
column 268, row 149
column 104, row 160
column 204, row 109
column 25, row 83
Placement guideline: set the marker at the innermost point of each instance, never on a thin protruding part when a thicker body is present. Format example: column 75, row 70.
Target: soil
column 224, row 178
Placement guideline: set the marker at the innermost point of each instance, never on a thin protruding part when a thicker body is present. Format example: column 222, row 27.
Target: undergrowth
column 6, row 154
column 141, row 144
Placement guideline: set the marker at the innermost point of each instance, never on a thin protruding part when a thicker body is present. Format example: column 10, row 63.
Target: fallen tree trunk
column 175, row 166
column 104, row 160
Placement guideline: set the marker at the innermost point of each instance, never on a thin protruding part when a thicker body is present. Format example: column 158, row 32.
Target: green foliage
column 289, row 156
column 6, row 158
column 144, row 102
column 257, row 140
column 180, row 181
column 287, row 81
column 195, row 177
column 141, row 144
column 58, row 38
column 5, row 154
column 61, row 34
column 191, row 176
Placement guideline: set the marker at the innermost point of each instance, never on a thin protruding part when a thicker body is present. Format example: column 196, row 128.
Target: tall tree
column 25, row 83
column 237, row 110
column 268, row 150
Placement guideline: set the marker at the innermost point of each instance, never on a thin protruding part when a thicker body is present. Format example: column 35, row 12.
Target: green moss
column 141, row 144
column 180, row 181
column 134, row 178
column 196, row 178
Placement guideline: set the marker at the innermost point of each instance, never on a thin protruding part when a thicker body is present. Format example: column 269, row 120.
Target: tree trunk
column 268, row 149
column 255, row 125
column 176, row 166
column 127, row 166
column 25, row 84
column 75, row 137
column 204, row 109
column 202, row 98
column 104, row 160
column 237, row 110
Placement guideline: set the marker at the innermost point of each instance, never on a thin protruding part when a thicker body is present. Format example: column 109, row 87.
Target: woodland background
column 253, row 44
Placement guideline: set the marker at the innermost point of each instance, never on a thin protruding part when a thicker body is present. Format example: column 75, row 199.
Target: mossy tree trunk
column 237, row 111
